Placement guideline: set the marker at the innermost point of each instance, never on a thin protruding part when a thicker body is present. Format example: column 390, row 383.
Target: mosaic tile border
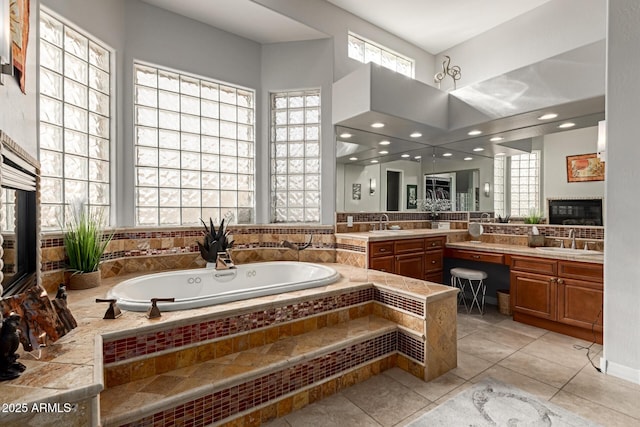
column 141, row 345
column 229, row 401
column 399, row 301
column 352, row 248
column 411, row 346
column 375, row 216
column 581, row 232
column 121, row 349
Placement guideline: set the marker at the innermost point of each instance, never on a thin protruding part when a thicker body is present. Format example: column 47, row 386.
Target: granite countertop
column 377, row 235
column 70, row 369
column 568, row 254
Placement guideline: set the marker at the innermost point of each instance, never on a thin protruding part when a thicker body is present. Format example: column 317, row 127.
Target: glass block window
column 194, row 149
column 498, row 185
column 295, row 156
column 517, row 184
column 8, row 202
column 525, row 183
column 364, row 50
column 75, row 121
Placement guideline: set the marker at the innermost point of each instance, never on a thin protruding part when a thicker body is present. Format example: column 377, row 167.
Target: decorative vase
column 80, row 281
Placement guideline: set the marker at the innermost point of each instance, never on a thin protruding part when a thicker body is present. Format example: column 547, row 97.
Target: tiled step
column 222, row 387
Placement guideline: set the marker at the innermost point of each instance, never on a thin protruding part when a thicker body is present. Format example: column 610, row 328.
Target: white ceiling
column 242, row 17
column 437, row 25
column 433, row 25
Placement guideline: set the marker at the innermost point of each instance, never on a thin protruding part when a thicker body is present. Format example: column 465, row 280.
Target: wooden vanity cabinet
column 563, row 296
column 420, row 258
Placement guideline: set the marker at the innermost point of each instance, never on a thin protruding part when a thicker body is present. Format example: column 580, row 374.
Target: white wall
column 622, row 291
column 294, row 66
column 336, row 22
column 553, row 28
column 557, row 147
column 18, row 117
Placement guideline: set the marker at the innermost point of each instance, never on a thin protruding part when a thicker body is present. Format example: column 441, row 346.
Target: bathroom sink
column 569, row 251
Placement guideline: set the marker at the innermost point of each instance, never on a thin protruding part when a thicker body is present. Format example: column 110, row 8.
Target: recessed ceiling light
column 406, row 155
column 383, row 152
column 548, row 116
column 417, row 157
column 478, row 149
column 415, row 135
column 353, row 158
column 345, row 135
column 496, row 138
column 468, row 158
column 385, row 142
column 447, row 155
column 377, row 125
column 500, row 154
column 567, row 125
column 374, row 161
column 474, row 132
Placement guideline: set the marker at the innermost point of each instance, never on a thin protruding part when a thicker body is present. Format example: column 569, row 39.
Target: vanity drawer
column 434, row 243
column 477, row 256
column 534, row 265
column 433, row 261
column 383, row 263
column 381, row 248
column 581, row 271
column 409, row 245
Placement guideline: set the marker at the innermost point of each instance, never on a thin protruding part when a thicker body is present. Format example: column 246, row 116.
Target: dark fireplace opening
column 19, row 229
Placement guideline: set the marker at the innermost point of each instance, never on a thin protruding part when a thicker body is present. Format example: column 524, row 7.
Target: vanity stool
column 463, row 277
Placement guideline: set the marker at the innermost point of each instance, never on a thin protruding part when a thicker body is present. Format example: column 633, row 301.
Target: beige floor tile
column 504, row 336
column 487, row 350
column 540, row 369
column 385, row 401
column 416, row 415
column 469, row 366
column 561, row 351
column 592, row 411
column 334, row 411
column 611, row 392
column 520, row 381
column 432, row 390
column 521, row 328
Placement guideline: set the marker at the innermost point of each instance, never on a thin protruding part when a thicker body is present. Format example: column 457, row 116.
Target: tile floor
column 535, row 360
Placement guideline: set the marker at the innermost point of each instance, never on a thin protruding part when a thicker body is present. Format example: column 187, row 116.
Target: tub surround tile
column 132, row 327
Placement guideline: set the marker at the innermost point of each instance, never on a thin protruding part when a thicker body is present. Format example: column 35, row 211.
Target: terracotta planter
column 85, row 280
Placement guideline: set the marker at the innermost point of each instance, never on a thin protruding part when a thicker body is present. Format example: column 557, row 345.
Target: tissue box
column 536, row 240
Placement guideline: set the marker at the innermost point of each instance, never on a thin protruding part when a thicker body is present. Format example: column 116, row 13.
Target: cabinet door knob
column 560, row 281
column 383, row 250
column 433, row 262
column 475, row 256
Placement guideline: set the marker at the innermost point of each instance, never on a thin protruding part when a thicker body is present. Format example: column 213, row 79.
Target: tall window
column 295, row 156
column 194, row 149
column 523, row 175
column 75, row 111
column 365, row 51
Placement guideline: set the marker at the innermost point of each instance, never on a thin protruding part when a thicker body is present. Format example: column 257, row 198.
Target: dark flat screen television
column 575, row 212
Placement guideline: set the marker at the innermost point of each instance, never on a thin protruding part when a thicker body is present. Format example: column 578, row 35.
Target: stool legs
column 456, row 282
column 478, row 290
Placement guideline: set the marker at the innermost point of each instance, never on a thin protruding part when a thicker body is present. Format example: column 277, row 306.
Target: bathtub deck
column 79, row 366
column 139, row 400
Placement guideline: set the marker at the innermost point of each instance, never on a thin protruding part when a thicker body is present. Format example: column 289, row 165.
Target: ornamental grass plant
column 85, row 240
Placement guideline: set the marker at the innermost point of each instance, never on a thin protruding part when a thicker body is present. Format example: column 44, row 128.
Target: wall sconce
column 487, row 189
column 6, row 66
column 602, row 140
column 372, row 186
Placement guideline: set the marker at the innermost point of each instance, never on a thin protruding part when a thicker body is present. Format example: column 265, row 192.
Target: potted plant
column 215, row 242
column 84, row 243
column 534, row 217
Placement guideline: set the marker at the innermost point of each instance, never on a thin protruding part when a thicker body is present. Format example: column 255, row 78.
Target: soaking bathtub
column 206, row 286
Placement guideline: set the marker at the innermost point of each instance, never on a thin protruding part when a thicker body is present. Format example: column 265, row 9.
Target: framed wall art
column 585, row 167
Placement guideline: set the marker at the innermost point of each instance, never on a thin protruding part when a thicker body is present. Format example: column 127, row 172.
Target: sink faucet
column 572, row 236
column 485, row 215
column 386, row 218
